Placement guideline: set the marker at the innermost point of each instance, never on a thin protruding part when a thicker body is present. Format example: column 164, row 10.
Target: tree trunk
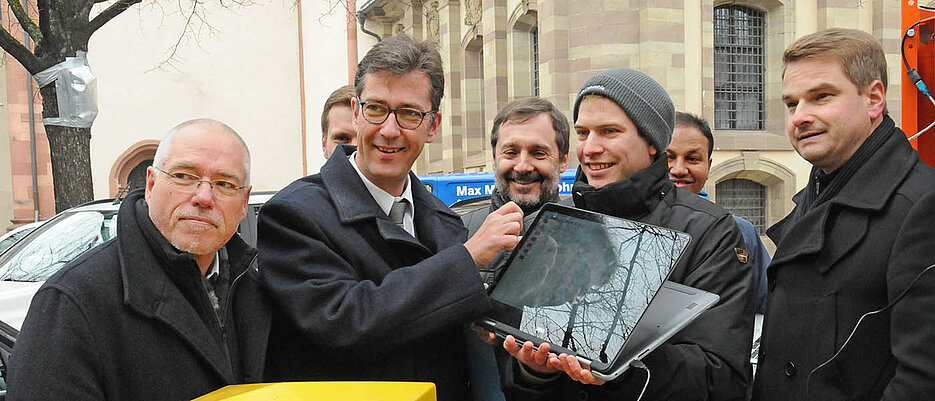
column 70, row 150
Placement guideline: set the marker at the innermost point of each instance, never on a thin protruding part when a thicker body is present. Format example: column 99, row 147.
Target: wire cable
column 859, row 321
column 914, row 75
column 639, row 364
column 929, row 126
column 902, row 48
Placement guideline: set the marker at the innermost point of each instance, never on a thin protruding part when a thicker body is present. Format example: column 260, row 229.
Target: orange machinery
column 919, row 52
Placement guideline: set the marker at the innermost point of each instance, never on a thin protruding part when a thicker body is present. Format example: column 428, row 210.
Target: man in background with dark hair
column 690, row 160
column 370, row 272
column 337, row 120
column 530, row 151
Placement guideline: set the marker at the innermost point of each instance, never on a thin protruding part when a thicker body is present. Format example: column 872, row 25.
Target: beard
column 548, row 187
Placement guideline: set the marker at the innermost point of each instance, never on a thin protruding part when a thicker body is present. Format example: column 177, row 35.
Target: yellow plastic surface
column 325, row 391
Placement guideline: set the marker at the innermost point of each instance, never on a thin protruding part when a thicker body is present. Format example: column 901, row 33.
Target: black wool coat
column 853, row 254
column 114, row 325
column 357, row 297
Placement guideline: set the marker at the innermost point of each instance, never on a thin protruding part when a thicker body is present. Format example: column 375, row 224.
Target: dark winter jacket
column 127, row 321
column 709, row 359
column 358, row 298
column 841, row 258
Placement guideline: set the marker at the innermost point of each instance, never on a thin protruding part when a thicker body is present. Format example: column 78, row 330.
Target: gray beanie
column 641, row 97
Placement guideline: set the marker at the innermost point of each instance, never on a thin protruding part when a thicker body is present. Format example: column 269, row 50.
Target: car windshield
column 56, row 243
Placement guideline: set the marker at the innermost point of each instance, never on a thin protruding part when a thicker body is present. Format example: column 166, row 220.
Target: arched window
column 739, row 34
column 523, row 40
column 745, row 199
column 137, row 177
column 129, row 170
column 473, row 104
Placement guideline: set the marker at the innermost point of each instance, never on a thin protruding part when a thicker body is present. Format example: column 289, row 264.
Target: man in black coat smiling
column 624, row 121
column 371, row 273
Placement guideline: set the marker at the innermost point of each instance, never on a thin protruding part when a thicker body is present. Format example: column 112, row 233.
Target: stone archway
column 778, row 180
column 131, row 164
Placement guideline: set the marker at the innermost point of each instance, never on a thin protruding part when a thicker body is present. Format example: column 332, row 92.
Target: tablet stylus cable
column 639, row 364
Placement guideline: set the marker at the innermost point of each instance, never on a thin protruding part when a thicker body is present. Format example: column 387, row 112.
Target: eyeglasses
column 408, row 118
column 191, row 182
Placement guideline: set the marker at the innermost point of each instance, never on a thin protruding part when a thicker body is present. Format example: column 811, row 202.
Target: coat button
column 582, row 395
column 789, row 369
column 771, row 284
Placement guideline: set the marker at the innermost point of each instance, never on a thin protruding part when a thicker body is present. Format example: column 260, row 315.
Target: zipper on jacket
column 230, row 291
column 228, row 314
column 230, row 295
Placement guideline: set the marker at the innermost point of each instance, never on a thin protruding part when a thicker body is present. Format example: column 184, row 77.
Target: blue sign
column 451, row 188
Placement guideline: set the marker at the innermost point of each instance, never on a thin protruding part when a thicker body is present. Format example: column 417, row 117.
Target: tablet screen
column 584, row 279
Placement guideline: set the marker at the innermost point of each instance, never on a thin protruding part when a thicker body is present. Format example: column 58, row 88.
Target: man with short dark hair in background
column 171, row 308
column 371, row 273
column 338, row 125
column 690, row 160
column 530, row 151
column 851, row 291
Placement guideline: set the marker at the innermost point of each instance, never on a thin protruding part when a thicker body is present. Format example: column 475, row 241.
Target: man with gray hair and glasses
column 169, row 310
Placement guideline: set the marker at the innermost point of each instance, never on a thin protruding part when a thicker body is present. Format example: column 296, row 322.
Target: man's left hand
column 576, row 371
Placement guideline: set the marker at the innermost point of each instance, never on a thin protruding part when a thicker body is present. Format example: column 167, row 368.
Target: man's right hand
column 500, row 231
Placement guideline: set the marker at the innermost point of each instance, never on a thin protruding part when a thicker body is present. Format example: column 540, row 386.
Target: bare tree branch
column 48, row 35
column 332, row 6
column 109, row 13
column 28, row 25
column 16, row 49
column 173, row 50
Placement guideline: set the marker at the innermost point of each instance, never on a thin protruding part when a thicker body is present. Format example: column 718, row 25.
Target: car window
column 12, row 238
column 466, row 206
column 7, row 340
column 56, row 243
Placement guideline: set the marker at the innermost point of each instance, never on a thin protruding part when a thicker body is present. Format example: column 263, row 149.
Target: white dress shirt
column 385, row 200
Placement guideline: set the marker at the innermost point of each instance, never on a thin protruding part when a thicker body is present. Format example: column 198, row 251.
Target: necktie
column 398, row 211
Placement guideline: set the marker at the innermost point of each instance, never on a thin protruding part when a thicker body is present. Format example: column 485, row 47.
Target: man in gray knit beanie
column 645, row 101
column 624, row 121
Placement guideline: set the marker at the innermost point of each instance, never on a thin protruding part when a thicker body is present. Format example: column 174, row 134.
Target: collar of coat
column 868, row 190
column 158, row 279
column 353, row 202
column 632, row 197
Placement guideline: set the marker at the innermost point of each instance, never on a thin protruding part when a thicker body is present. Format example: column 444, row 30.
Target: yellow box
column 325, row 391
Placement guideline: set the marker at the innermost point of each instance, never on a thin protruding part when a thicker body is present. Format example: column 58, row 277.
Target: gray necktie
column 398, row 211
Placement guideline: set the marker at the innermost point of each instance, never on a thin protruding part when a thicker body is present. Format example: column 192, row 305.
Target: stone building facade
column 718, row 59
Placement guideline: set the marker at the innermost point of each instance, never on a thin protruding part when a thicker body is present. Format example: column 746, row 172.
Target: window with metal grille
column 745, row 199
column 535, row 60
column 738, row 67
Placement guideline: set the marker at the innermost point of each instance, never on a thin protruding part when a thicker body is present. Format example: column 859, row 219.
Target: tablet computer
column 585, row 282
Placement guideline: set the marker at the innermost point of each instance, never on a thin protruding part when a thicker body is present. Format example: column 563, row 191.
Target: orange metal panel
column 917, row 111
